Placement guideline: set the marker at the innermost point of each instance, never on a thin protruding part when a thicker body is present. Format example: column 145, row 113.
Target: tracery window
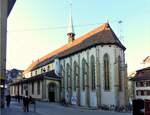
column 68, row 75
column 106, row 72
column 84, row 72
column 75, row 75
column 93, row 72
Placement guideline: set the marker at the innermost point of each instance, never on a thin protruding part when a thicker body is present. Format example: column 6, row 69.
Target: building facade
column 141, row 81
column 41, row 87
column 88, row 71
column 138, row 81
column 142, row 84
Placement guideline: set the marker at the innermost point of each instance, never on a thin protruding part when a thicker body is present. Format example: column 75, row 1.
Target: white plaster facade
column 106, row 97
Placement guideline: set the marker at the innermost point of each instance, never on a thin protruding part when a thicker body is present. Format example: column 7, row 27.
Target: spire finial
column 70, row 31
column 70, row 26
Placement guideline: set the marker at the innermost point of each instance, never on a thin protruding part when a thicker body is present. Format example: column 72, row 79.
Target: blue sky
column 33, row 27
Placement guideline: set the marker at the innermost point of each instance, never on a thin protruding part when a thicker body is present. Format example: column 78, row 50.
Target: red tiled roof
column 102, row 35
column 143, row 72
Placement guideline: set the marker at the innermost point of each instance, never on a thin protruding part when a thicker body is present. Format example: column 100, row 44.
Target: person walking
column 25, row 104
column 8, row 99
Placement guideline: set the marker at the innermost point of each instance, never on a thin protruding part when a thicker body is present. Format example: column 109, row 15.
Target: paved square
column 46, row 108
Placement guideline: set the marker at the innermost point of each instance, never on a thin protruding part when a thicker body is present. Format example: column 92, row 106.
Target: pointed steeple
column 70, row 32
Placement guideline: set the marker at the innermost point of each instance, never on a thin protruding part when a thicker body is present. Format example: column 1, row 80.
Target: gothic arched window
column 106, row 72
column 75, row 75
column 68, row 75
column 93, row 72
column 84, row 72
column 119, row 73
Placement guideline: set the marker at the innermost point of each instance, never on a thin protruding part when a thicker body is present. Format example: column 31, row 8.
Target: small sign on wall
column 74, row 100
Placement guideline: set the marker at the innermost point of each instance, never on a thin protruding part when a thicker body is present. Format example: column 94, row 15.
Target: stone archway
column 52, row 92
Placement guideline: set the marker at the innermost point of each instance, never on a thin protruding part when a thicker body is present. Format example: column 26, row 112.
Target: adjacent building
column 11, row 76
column 142, row 81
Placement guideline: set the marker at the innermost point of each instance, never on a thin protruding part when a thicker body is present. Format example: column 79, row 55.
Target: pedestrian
column 8, row 99
column 18, row 98
column 26, row 104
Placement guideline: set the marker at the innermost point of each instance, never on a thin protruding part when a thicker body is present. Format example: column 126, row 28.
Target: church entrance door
column 51, row 93
column 52, row 96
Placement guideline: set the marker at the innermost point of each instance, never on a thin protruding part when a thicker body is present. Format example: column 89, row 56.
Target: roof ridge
column 81, row 38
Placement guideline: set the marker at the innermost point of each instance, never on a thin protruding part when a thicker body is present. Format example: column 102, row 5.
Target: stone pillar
column 70, row 81
column 89, row 75
column 57, row 92
column 65, row 82
column 44, row 89
column 98, row 85
column 62, row 83
column 126, row 85
column 116, row 84
column 69, row 75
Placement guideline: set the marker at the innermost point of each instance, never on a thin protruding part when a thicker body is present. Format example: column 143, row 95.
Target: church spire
column 70, row 32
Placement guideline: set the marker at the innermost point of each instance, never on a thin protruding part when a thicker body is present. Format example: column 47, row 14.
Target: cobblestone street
column 45, row 108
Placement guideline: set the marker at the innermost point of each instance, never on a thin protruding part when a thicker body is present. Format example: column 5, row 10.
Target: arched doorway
column 52, row 92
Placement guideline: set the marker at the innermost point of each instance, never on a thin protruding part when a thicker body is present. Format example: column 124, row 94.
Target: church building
column 87, row 71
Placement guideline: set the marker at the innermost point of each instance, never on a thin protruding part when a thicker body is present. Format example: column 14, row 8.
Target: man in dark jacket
column 26, row 104
column 8, row 99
